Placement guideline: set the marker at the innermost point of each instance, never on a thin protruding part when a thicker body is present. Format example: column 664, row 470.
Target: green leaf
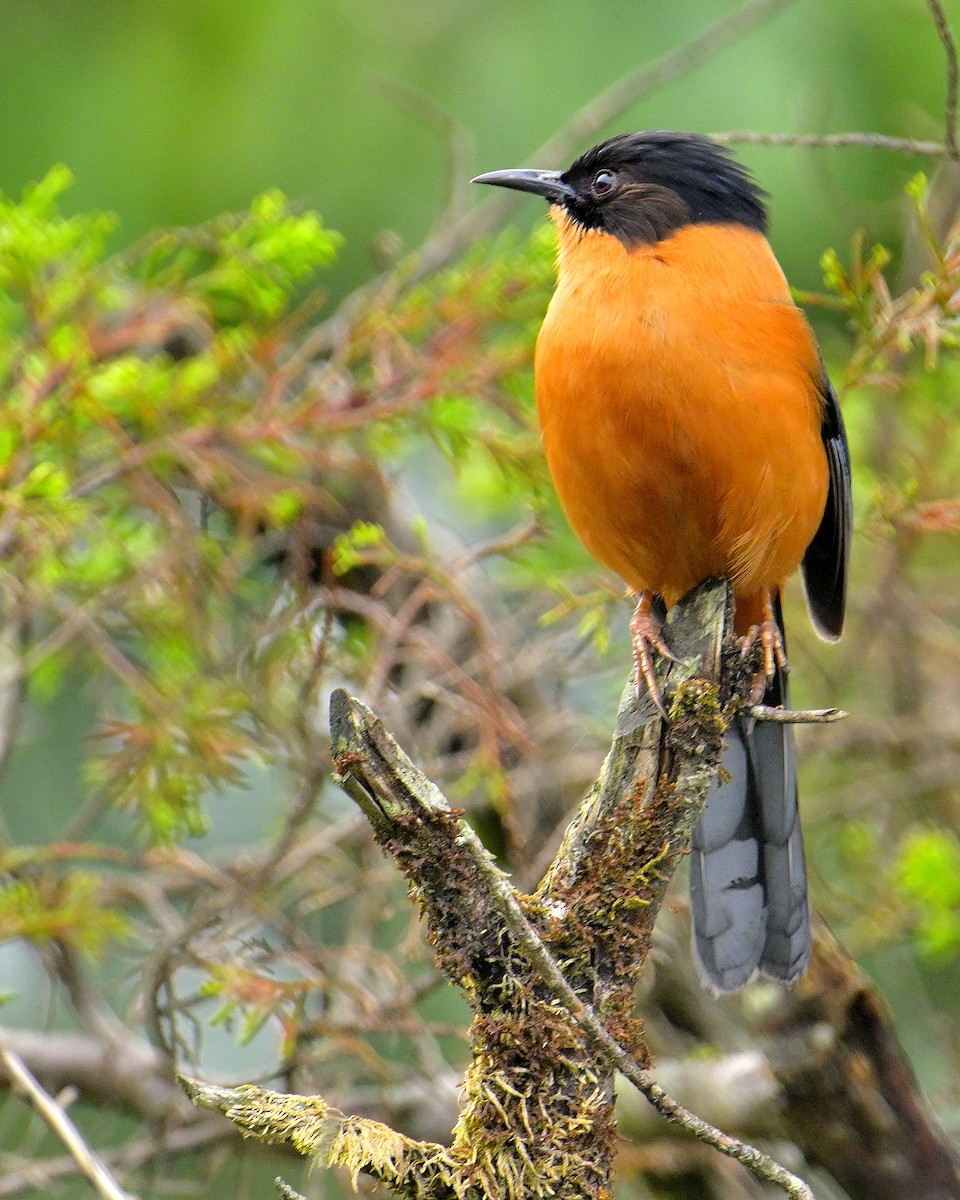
column 348, row 548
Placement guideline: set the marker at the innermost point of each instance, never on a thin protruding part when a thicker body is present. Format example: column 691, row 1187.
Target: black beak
column 542, row 183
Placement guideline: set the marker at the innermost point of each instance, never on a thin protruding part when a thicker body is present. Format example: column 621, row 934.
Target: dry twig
column 826, row 141
column 794, row 716
column 55, row 1116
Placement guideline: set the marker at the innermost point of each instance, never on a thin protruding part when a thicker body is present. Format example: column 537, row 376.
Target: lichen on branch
column 549, row 977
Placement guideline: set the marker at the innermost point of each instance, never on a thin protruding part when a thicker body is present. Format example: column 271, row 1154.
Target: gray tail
column 748, row 881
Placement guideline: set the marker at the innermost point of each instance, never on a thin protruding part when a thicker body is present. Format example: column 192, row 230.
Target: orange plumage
column 683, row 430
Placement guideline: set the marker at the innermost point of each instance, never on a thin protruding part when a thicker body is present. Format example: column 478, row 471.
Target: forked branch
column 549, row 977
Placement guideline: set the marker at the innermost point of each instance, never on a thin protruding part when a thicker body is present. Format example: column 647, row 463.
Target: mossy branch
column 320, row 1131
column 549, row 977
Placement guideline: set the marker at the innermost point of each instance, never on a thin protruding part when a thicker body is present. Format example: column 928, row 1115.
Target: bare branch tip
column 341, row 707
column 794, row 716
column 286, row 1191
column 205, row 1095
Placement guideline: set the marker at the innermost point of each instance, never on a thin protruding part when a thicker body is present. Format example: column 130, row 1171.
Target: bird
column 691, row 431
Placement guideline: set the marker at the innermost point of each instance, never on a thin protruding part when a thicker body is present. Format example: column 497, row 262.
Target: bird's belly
column 674, row 460
column 633, row 494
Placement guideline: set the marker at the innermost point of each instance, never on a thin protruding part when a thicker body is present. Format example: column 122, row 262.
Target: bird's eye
column 603, row 184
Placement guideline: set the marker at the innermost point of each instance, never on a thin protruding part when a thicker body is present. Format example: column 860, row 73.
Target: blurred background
column 376, row 114
column 169, row 113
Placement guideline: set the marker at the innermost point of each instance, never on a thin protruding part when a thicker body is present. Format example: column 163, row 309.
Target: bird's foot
column 646, row 636
column 768, row 634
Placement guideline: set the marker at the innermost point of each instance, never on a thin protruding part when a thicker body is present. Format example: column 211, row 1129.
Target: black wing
column 825, row 564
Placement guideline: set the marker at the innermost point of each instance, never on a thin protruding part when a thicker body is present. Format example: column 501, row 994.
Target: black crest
column 641, row 187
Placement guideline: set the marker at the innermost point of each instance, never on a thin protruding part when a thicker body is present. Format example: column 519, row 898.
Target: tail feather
column 748, row 885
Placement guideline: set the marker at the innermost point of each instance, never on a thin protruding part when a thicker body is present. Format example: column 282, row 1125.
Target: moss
column 698, row 721
column 444, row 883
column 542, row 1126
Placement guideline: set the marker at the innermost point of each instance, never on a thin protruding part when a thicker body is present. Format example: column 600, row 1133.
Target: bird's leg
column 646, row 635
column 768, row 634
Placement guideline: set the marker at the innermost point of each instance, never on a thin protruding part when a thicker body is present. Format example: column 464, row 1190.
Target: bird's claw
column 768, row 634
column 646, row 635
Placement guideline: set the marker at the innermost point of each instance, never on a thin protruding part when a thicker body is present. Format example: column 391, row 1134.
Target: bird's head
column 642, row 187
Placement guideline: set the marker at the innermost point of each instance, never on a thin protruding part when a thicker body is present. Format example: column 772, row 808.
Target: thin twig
column 794, row 716
column 13, row 643
column 872, row 141
column 945, row 34
column 87, row 817
column 91, row 1165
column 93, row 1013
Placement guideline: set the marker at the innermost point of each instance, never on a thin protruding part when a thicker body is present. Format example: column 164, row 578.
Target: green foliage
column 349, row 547
column 66, row 910
column 138, row 484
column 928, row 879
column 172, row 420
column 594, row 606
column 154, row 432
column 104, row 428
column 44, row 263
column 899, row 387
column 241, row 269
column 249, row 1000
column 473, row 329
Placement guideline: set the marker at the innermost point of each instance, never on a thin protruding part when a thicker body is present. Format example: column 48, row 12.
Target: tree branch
column 317, row 1129
column 794, row 716
column 550, row 976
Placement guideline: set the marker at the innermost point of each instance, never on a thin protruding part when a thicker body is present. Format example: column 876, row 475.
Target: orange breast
column 680, row 418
